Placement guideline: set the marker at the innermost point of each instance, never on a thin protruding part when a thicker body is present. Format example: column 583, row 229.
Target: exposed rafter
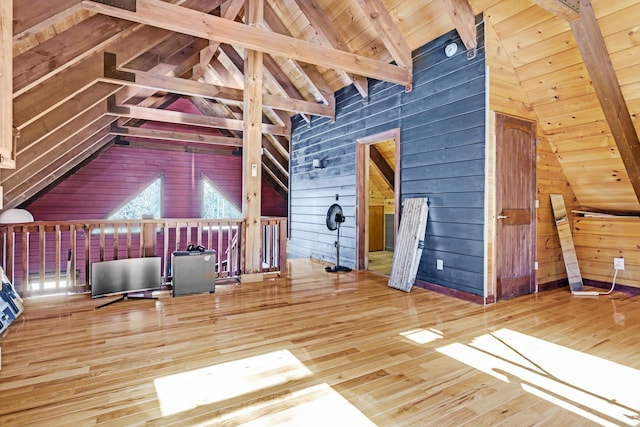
column 187, row 21
column 465, row 21
column 330, row 37
column 388, row 32
column 385, row 169
column 194, row 88
column 605, row 82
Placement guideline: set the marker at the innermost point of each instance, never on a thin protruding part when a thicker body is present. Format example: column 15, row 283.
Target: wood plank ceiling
column 88, row 74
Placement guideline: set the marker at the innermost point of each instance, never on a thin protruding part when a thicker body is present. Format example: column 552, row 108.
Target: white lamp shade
column 15, row 216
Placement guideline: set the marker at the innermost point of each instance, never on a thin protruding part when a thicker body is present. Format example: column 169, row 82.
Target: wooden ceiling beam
column 273, row 69
column 194, row 88
column 388, row 32
column 270, row 142
column 230, row 11
column 38, row 15
column 309, row 71
column 68, row 82
column 328, row 34
column 6, row 98
column 168, row 116
column 278, row 182
column 67, row 49
column 56, row 167
column 30, row 161
column 167, row 135
column 183, row 20
column 66, row 113
column 464, row 20
column 605, row 83
column 561, row 8
column 381, row 164
column 169, row 146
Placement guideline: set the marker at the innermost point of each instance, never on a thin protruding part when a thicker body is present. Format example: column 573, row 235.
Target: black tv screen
column 125, row 275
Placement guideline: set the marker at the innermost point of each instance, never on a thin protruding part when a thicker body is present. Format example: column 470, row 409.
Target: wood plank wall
column 442, row 122
column 507, row 96
column 599, row 240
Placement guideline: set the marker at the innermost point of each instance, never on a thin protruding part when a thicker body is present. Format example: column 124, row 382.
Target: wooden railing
column 46, row 258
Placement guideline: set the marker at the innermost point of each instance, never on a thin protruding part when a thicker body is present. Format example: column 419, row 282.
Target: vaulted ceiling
column 88, row 74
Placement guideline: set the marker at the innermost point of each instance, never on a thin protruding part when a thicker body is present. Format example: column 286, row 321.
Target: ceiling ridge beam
column 155, row 12
column 605, row 83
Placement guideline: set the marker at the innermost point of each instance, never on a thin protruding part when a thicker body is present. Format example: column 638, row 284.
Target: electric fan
column 335, row 217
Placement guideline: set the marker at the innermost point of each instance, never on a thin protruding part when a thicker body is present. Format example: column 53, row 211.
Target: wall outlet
column 535, row 265
column 439, row 264
column 618, row 263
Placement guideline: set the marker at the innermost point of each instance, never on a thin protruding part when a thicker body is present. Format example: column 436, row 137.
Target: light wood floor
column 380, row 262
column 323, row 349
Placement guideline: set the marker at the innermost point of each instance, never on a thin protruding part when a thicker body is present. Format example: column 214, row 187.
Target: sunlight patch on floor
column 422, row 336
column 187, row 390
column 319, row 405
column 585, row 383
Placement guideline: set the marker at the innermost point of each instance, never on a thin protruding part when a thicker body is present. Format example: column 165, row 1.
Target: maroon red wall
column 109, row 180
column 100, row 187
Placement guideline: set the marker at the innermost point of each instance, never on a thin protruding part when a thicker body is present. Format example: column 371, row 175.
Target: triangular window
column 147, row 201
column 215, row 205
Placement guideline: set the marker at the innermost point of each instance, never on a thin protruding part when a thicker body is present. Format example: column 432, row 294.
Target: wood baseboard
column 561, row 283
column 606, row 286
column 466, row 296
column 631, row 290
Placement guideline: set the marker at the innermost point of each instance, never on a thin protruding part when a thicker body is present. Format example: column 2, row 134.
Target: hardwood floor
column 323, row 349
column 380, row 262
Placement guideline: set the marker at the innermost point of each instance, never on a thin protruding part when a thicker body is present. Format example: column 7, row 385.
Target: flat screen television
column 123, row 276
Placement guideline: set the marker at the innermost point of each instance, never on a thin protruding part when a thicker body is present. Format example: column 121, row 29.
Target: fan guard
column 335, row 217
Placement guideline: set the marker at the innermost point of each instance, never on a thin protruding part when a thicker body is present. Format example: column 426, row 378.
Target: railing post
column 282, row 251
column 149, row 239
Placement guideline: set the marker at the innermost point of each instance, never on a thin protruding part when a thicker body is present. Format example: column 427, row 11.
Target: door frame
column 362, row 190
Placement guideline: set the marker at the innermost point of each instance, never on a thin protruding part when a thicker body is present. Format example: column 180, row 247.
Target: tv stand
column 126, row 297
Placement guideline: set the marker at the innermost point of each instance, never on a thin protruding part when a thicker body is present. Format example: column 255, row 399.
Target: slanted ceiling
column 88, row 72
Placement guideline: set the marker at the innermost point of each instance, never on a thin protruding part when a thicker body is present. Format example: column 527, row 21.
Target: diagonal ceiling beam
column 329, row 35
column 388, row 32
column 565, row 9
column 605, row 82
column 230, row 11
column 464, row 20
column 187, row 21
column 385, row 170
column 309, row 71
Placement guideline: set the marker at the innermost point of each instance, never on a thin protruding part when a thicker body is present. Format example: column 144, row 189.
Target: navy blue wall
column 442, row 157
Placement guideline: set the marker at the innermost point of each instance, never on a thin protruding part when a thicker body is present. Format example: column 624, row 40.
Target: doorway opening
column 378, row 191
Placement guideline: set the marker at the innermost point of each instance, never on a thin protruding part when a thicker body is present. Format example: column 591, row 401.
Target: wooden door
column 376, row 228
column 515, row 206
